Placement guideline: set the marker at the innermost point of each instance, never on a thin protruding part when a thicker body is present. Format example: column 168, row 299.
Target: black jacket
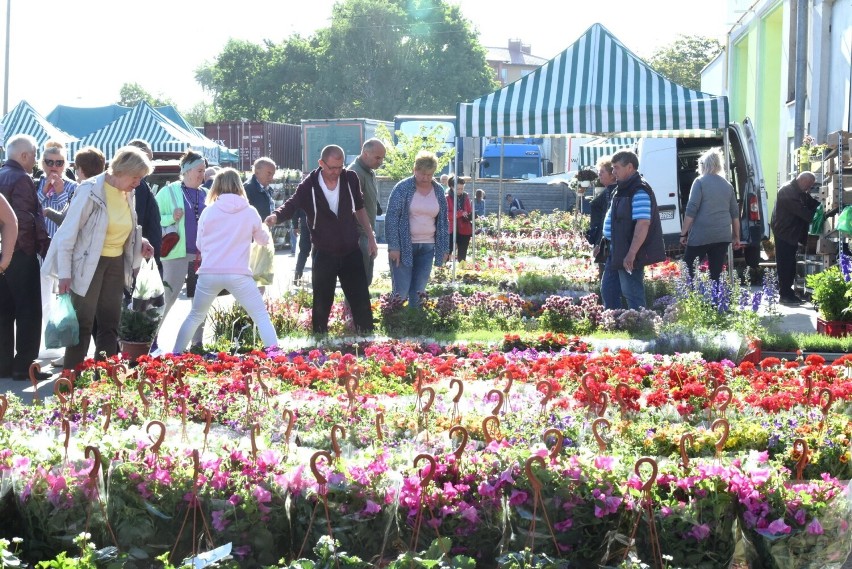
column 148, row 215
column 597, row 214
column 18, row 188
column 792, row 214
column 258, row 198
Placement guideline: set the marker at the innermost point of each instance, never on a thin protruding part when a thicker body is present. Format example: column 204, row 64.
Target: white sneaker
column 58, row 362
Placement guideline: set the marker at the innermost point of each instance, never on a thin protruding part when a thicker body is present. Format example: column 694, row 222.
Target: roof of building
column 515, row 57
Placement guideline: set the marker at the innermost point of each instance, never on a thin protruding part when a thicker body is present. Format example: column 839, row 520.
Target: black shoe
column 39, row 375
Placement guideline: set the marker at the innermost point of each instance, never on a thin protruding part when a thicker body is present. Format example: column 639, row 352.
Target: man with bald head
column 791, row 217
column 20, row 283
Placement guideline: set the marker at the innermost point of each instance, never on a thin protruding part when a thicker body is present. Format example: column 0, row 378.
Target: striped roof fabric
column 591, row 152
column 143, row 121
column 596, row 86
column 24, row 119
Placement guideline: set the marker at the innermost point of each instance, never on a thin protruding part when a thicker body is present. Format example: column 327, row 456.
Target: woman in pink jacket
column 225, row 232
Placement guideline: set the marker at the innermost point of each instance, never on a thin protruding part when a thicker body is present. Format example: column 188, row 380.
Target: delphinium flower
column 845, row 265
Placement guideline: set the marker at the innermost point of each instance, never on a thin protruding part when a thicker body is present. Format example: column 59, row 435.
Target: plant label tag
column 209, row 557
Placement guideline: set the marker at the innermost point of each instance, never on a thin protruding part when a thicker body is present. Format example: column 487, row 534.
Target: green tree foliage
column 200, row 113
column 683, row 59
column 131, row 94
column 399, row 159
column 377, row 59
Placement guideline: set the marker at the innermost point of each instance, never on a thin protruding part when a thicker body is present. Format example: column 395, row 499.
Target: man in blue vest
column 632, row 226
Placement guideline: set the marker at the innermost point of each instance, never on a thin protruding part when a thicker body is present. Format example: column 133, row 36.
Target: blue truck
column 520, row 161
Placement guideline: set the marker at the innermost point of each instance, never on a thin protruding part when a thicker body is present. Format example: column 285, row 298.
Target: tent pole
column 453, row 246
column 500, row 192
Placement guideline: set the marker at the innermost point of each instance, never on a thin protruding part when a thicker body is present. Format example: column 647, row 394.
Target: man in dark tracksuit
column 791, row 217
column 20, row 283
column 332, row 199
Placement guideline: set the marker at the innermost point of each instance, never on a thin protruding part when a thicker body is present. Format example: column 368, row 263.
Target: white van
column 671, row 164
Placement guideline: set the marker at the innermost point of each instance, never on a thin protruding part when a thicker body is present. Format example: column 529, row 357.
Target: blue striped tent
column 143, row 121
column 593, row 151
column 596, row 86
column 24, row 119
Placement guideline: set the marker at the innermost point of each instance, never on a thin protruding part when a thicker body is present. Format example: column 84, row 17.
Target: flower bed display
column 388, row 446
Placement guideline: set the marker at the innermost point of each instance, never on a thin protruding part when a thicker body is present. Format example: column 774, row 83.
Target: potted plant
column 830, row 290
column 585, row 177
column 137, row 330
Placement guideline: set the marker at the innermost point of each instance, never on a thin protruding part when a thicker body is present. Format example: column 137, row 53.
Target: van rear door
column 754, row 215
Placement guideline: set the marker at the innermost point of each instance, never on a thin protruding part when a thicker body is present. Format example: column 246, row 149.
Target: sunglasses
column 53, row 163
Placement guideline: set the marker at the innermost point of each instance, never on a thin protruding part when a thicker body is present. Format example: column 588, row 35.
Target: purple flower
column 815, row 528
column 518, row 497
column 700, row 532
column 371, row 508
column 777, row 527
column 220, row 521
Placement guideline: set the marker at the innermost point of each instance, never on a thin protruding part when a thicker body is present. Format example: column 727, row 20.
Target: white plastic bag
column 262, row 262
column 149, row 290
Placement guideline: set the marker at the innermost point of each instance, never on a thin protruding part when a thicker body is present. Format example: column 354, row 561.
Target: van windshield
column 525, row 167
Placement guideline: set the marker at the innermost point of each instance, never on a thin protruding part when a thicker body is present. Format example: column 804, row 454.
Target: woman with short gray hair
column 711, row 221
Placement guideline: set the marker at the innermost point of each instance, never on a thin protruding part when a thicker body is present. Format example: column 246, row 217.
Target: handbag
column 171, row 237
column 601, row 250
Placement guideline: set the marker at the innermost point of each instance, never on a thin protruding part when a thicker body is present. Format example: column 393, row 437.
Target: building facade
column 758, row 72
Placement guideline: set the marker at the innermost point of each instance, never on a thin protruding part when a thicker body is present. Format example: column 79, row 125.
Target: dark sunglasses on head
column 53, row 163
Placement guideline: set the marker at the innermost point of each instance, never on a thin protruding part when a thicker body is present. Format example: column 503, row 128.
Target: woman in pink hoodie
column 225, row 232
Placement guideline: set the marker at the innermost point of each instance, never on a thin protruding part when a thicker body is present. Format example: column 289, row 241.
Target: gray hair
column 711, row 162
column 130, row 160
column 372, row 144
column 264, row 161
column 19, row 144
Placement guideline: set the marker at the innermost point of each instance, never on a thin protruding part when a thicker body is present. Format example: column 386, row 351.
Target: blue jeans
column 409, row 282
column 617, row 282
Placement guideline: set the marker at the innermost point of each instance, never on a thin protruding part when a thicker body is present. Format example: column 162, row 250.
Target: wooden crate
column 835, row 138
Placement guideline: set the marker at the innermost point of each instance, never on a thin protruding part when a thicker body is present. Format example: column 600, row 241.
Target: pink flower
column 220, row 521
column 518, row 497
column 815, row 528
column 700, row 532
column 604, row 462
column 564, row 525
column 777, row 527
column 371, row 508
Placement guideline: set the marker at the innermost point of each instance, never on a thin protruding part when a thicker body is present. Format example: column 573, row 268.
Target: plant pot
column 134, row 349
column 834, row 328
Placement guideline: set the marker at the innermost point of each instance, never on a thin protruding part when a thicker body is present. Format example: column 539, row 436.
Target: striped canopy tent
column 595, row 87
column 143, row 121
column 83, row 121
column 24, row 119
column 593, row 151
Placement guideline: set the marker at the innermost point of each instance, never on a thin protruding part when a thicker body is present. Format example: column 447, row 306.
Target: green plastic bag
column 844, row 221
column 62, row 328
column 817, row 221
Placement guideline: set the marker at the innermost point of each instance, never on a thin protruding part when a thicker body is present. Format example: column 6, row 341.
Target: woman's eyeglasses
column 52, row 163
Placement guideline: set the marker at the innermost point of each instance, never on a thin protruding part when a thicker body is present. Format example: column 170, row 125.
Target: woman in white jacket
column 96, row 249
column 226, row 228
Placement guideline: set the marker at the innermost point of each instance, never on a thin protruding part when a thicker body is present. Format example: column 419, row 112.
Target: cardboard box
column 837, row 182
column 826, row 246
column 839, row 136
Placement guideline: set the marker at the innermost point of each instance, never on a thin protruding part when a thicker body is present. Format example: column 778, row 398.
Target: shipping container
column 253, row 139
column 349, row 134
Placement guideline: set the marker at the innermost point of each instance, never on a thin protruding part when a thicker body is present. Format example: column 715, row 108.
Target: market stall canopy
column 24, row 119
column 593, row 151
column 596, row 86
column 143, row 121
column 82, row 121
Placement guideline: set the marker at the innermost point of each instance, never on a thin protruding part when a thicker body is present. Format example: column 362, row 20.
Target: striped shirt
column 54, row 201
column 641, row 210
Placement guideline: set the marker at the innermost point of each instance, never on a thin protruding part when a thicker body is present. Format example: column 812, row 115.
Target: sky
column 81, row 53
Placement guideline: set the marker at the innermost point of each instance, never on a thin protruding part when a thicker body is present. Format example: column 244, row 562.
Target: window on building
column 791, row 52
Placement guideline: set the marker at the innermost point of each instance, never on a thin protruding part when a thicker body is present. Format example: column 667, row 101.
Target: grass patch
column 808, row 342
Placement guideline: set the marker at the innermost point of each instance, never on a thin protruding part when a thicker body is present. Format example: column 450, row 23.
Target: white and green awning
column 595, row 87
column 593, row 151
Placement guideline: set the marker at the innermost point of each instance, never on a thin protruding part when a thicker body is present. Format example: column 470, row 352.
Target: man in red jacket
column 332, row 198
column 20, row 283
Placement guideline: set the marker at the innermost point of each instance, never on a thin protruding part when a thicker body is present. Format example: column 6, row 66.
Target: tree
column 682, row 60
column 199, row 114
column 399, row 159
column 131, row 94
column 379, row 58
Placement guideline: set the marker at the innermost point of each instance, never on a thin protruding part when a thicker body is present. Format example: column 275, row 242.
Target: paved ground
column 799, row 318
